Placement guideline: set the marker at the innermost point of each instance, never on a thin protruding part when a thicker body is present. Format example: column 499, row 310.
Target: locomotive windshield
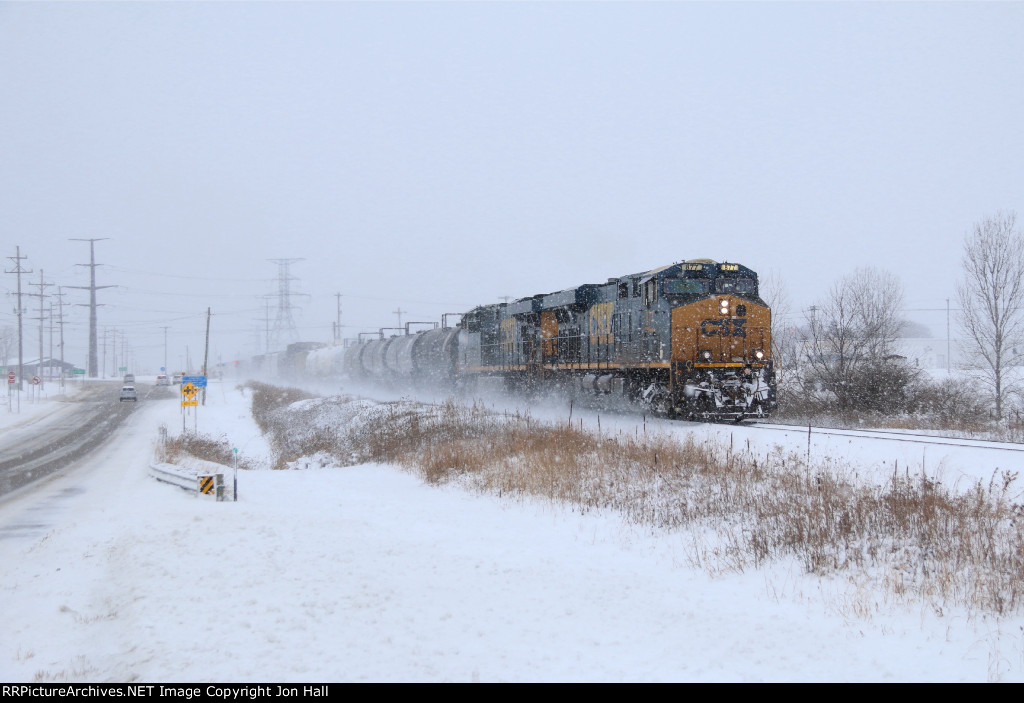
column 685, row 286
column 736, row 286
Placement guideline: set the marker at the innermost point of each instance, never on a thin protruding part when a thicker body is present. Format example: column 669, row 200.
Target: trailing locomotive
column 692, row 339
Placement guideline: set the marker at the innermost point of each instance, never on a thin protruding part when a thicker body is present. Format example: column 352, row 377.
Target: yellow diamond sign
column 189, row 390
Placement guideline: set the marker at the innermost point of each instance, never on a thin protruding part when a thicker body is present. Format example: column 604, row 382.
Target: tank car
column 425, row 360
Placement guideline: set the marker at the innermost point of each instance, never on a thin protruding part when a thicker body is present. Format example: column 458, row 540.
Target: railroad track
column 895, row 436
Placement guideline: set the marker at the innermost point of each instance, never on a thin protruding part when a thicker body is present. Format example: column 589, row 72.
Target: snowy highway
column 42, row 443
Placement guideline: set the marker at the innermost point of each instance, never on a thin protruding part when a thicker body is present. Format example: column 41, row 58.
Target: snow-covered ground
column 367, row 574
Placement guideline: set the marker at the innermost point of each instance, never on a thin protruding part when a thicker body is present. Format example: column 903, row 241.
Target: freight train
column 691, row 340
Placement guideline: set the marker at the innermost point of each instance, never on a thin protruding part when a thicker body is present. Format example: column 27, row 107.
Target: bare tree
column 852, row 340
column 784, row 334
column 991, row 296
column 8, row 342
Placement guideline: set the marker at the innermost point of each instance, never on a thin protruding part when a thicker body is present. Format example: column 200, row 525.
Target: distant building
column 47, row 370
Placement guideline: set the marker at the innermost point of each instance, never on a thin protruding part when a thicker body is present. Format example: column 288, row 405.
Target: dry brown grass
column 200, row 446
column 916, row 537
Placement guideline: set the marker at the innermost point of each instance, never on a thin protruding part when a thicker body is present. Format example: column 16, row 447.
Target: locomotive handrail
column 444, row 318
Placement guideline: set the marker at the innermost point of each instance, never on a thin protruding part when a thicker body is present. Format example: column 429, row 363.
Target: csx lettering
column 723, row 328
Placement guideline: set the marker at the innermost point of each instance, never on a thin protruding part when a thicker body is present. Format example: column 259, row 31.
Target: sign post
column 189, row 390
column 195, row 382
column 234, row 489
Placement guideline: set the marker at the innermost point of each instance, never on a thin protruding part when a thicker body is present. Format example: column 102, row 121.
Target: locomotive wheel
column 661, row 404
column 705, row 409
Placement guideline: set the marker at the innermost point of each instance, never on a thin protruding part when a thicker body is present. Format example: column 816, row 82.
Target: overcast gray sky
column 430, row 157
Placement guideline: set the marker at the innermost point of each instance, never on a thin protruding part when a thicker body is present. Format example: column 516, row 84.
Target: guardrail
column 209, row 480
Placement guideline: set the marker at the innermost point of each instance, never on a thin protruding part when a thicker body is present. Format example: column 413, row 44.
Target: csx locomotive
column 692, row 339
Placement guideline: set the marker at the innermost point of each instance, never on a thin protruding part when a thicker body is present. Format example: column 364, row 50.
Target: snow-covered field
column 366, row 574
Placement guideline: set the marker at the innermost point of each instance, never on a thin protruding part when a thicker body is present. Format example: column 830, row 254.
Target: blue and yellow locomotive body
column 692, row 339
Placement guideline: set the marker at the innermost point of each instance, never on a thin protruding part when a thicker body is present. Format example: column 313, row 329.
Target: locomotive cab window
column 685, row 286
column 650, row 291
column 736, row 286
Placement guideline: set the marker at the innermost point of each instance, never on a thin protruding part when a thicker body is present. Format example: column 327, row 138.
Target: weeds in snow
column 922, row 540
column 200, row 446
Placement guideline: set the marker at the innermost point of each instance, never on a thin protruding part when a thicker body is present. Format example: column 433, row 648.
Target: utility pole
column 92, row 288
column 337, row 324
column 947, row 337
column 206, row 354
column 60, row 323
column 113, row 353
column 18, row 270
column 49, row 354
column 266, row 325
column 399, row 312
column 41, row 295
column 165, row 348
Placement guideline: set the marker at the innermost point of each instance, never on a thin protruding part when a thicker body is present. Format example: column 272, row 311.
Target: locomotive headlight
column 758, row 354
column 705, row 355
column 723, row 306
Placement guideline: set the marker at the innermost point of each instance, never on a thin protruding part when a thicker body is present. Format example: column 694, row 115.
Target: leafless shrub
column 949, row 405
column 267, row 398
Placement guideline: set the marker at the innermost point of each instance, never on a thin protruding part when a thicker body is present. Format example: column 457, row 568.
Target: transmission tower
column 284, row 331
column 92, row 288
